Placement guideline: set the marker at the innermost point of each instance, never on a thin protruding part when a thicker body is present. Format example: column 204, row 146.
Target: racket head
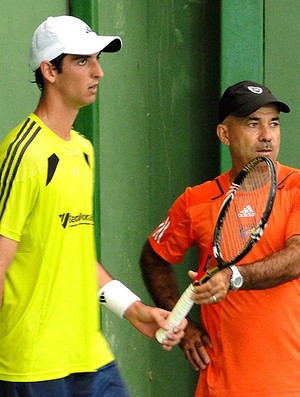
column 245, row 211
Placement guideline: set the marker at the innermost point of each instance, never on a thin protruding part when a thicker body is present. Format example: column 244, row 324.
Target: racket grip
column 179, row 312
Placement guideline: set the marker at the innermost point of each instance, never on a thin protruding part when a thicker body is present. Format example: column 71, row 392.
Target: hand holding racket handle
column 183, row 306
column 185, row 303
column 179, row 312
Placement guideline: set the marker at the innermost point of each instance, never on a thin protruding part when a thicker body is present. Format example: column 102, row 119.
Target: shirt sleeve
column 172, row 238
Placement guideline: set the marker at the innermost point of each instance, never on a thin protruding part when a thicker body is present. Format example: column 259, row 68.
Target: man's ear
column 48, row 71
column 223, row 133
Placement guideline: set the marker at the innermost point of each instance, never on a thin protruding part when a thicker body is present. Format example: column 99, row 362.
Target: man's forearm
column 159, row 278
column 276, row 269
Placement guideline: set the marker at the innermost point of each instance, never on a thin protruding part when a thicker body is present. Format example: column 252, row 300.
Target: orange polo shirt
column 255, row 334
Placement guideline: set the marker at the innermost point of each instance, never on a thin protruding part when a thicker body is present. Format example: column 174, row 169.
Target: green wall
column 260, row 41
column 18, row 21
column 282, row 66
column 157, row 115
column 242, row 48
column 183, row 75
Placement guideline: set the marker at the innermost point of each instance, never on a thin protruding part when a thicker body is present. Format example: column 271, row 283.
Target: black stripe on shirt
column 220, row 189
column 25, row 137
column 281, row 184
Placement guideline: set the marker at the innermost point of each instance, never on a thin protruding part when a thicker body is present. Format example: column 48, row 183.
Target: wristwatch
column 236, row 280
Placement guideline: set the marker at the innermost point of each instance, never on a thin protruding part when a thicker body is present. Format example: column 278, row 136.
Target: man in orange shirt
column 248, row 342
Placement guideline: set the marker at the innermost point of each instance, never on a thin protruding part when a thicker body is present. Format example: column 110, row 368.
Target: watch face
column 238, row 281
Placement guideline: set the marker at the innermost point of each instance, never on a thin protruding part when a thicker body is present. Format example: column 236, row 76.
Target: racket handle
column 179, row 312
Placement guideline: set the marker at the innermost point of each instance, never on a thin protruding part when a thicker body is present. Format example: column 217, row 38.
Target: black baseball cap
column 246, row 97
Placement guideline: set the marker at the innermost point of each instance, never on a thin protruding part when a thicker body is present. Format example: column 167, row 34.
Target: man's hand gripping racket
column 240, row 224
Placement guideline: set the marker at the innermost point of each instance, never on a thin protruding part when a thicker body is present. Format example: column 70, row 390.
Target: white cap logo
column 255, row 90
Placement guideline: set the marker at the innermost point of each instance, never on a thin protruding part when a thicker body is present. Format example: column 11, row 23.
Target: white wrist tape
column 116, row 297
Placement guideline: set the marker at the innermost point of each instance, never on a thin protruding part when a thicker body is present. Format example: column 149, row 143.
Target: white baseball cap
column 67, row 35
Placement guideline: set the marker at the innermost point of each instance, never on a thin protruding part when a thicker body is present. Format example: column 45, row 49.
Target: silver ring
column 214, row 298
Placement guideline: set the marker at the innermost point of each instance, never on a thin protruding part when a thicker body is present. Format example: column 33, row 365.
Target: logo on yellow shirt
column 69, row 220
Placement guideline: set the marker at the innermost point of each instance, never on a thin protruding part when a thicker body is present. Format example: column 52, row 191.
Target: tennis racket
column 240, row 224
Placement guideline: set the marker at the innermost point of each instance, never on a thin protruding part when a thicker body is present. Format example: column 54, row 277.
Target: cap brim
column 248, row 108
column 114, row 45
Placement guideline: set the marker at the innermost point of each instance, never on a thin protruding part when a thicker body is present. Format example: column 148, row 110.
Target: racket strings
column 244, row 213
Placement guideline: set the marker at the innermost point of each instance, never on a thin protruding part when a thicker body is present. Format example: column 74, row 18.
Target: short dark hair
column 57, row 63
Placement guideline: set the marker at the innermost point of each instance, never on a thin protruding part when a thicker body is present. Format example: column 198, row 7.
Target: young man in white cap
column 50, row 343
